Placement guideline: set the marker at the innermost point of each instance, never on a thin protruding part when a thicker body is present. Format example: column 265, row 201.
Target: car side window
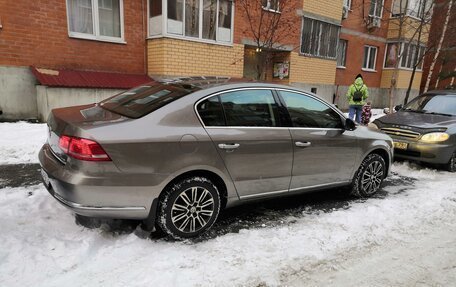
column 211, row 112
column 307, row 112
column 250, row 108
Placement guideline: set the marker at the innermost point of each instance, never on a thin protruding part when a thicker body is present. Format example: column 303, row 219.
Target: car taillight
column 83, row 149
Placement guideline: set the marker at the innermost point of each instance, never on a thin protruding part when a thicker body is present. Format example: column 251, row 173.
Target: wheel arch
column 212, row 176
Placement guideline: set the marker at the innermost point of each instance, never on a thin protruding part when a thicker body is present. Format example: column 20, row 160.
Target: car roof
column 203, row 82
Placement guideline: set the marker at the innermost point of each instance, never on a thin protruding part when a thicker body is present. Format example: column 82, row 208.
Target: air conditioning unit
column 373, row 22
column 345, row 12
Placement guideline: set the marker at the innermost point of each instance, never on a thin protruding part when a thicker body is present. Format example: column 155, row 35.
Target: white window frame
column 344, row 55
column 96, row 25
column 408, row 10
column 164, row 29
column 367, row 69
column 381, row 11
column 402, row 47
column 269, row 5
column 348, row 4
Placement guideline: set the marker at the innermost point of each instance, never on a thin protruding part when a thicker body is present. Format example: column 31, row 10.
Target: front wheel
column 189, row 207
column 369, row 176
column 451, row 165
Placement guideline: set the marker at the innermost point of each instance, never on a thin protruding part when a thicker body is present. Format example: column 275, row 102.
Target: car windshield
column 433, row 104
column 142, row 100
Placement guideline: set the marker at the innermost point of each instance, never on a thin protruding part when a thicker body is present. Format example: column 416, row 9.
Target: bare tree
column 439, row 46
column 271, row 24
column 424, row 17
column 417, row 29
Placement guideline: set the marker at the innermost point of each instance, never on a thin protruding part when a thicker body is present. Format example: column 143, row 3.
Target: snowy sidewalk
column 42, row 245
column 20, row 142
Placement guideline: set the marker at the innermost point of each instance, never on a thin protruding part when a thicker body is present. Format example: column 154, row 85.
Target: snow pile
column 20, row 142
column 42, row 245
column 376, row 114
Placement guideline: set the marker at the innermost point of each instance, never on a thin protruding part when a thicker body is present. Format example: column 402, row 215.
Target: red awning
column 88, row 79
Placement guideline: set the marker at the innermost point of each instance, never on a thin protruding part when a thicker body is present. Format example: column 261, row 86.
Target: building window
column 370, row 57
column 271, row 5
column 345, row 8
column 96, row 19
column 409, row 55
column 199, row 19
column 414, row 8
column 341, row 53
column 376, row 8
column 319, row 38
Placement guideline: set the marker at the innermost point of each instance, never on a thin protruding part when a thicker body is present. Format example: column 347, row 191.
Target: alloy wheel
column 192, row 209
column 372, row 177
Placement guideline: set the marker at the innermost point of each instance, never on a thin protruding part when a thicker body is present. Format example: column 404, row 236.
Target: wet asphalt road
column 15, row 175
column 273, row 212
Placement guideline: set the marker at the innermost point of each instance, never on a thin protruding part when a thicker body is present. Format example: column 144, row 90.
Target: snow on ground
column 42, row 246
column 376, row 113
column 20, row 142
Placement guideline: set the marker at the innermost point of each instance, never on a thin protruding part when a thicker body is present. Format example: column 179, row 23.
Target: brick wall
column 189, row 58
column 358, row 35
column 311, row 70
column 327, row 8
column 288, row 32
column 354, row 61
column 409, row 28
column 36, row 33
column 403, row 78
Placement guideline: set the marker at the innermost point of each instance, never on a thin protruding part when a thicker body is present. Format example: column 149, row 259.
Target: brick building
column 72, row 44
column 39, row 34
column 370, row 41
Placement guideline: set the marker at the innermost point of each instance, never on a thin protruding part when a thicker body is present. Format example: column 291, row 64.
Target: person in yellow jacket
column 357, row 95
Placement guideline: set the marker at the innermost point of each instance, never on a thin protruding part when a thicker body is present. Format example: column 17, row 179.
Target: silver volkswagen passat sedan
column 174, row 153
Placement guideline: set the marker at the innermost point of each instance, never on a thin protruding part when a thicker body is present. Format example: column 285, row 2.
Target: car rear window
column 142, row 100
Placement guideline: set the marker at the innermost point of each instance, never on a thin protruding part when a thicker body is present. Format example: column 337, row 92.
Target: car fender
column 378, row 145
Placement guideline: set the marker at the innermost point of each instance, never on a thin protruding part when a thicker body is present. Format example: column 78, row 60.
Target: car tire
column 189, row 207
column 451, row 165
column 369, row 176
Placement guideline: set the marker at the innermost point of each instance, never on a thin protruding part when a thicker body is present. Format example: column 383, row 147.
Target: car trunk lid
column 76, row 121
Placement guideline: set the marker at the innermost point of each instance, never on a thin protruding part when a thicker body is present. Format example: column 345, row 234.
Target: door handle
column 229, row 146
column 303, row 144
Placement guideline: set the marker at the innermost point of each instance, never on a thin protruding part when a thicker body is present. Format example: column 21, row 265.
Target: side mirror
column 398, row 107
column 350, row 125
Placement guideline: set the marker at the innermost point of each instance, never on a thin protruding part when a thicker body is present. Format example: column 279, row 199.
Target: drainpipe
column 144, row 23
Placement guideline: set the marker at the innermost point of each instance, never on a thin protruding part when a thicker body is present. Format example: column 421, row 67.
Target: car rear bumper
column 425, row 152
column 127, row 212
column 94, row 196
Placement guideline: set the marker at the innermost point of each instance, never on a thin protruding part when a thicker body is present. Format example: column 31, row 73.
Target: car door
column 245, row 128
column 324, row 152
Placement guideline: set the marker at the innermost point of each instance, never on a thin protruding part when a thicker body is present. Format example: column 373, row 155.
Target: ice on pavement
column 20, row 142
column 42, row 246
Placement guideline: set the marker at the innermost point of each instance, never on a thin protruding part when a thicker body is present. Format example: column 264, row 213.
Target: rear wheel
column 189, row 207
column 369, row 176
column 451, row 165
